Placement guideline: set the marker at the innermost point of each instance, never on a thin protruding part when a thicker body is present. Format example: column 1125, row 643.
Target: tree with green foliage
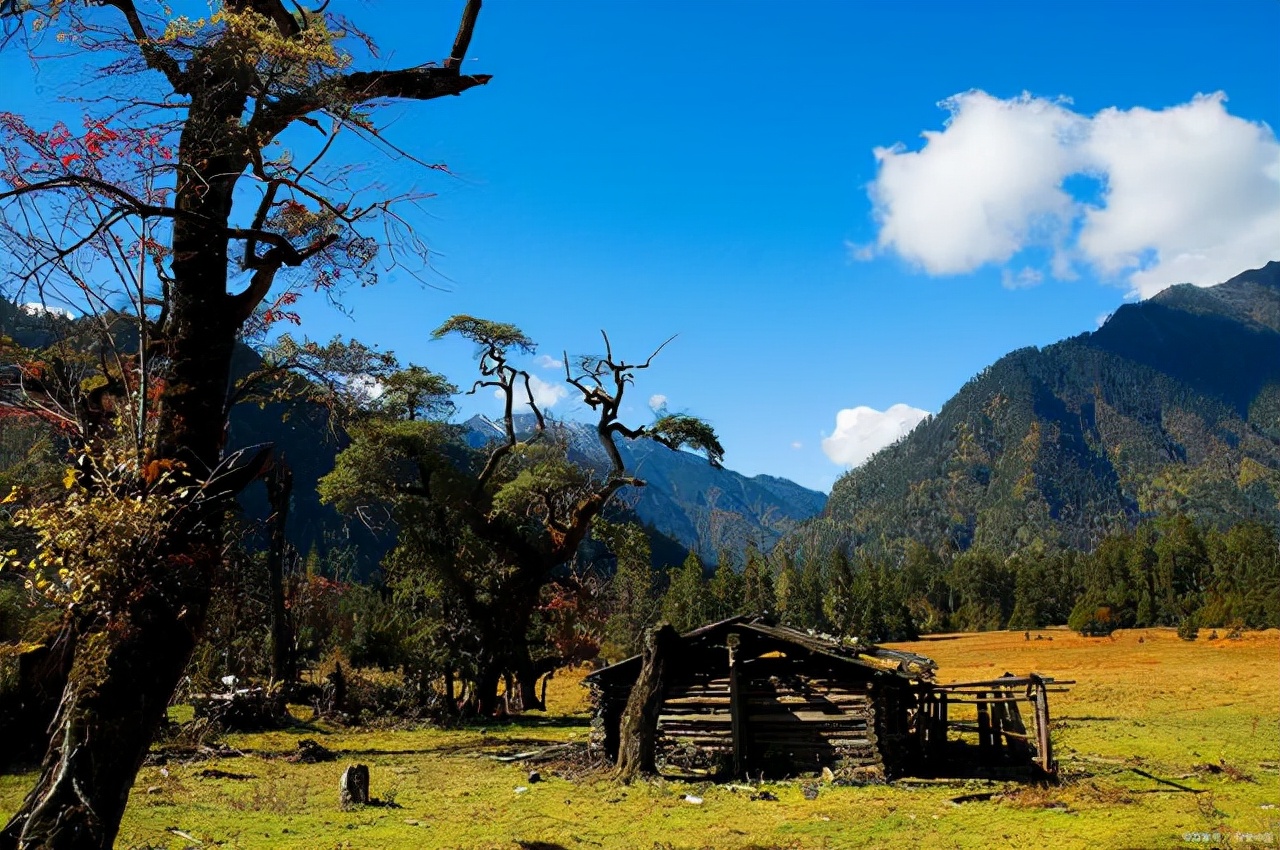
column 725, row 589
column 632, row 600
column 757, row 584
column 985, row 587
column 1182, row 569
column 493, row 526
column 687, row 602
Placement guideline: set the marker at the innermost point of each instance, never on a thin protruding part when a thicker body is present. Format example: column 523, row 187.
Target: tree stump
column 639, row 725
column 353, row 789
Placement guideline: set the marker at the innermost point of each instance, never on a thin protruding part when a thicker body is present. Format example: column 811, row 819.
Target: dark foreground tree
column 174, row 192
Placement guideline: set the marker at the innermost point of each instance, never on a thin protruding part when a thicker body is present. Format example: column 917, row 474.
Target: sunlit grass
column 1163, row 705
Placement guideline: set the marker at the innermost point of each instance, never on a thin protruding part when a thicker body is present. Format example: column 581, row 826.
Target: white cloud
column 863, row 431
column 544, row 361
column 1024, row 279
column 658, row 403
column 545, row 394
column 982, row 187
column 797, row 445
column 1189, row 193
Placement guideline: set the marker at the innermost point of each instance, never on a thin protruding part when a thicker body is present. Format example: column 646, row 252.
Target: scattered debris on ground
column 310, row 752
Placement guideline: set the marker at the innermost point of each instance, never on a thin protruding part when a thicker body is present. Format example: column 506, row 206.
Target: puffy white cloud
column 797, row 445
column 545, row 361
column 1192, row 187
column 1189, row 193
column 863, row 431
column 545, row 394
column 980, row 189
column 658, row 403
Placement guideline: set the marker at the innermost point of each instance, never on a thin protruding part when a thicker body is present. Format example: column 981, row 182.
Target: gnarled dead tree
column 517, row 509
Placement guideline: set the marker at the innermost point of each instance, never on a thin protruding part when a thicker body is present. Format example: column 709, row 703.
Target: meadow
column 1203, row 715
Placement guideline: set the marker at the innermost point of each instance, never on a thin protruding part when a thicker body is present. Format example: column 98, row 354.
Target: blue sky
column 709, row 169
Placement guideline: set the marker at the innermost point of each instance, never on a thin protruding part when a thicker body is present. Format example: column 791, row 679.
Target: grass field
column 1205, row 715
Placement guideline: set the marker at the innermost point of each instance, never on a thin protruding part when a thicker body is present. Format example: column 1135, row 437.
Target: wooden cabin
column 746, row 696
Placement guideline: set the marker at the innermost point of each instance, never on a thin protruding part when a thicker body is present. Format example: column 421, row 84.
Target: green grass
column 1164, row 706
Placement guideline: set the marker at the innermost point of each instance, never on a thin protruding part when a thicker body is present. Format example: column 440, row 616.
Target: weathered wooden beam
column 737, row 709
column 984, row 731
column 1043, row 740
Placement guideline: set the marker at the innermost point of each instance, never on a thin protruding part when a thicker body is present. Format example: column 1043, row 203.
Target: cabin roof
column 906, row 665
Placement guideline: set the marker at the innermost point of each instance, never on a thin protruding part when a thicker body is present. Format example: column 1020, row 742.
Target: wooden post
column 941, row 743
column 1044, row 744
column 353, row 788
column 637, row 738
column 984, row 730
column 1011, row 728
column 737, row 709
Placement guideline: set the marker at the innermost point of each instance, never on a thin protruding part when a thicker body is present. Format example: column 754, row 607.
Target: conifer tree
column 725, row 588
column 757, row 585
column 685, row 605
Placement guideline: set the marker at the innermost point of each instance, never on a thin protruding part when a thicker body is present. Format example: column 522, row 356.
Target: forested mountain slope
column 1172, row 406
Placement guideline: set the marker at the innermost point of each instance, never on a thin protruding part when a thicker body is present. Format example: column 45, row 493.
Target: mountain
column 1173, row 405
column 702, row 508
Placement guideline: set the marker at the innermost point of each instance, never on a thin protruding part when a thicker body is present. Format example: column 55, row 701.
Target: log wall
column 796, row 721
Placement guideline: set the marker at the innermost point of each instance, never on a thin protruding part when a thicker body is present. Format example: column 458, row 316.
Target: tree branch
column 154, row 56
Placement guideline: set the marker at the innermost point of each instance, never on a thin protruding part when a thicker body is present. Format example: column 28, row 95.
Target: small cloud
column 544, row 361
column 863, row 431
column 546, row 395
column 1024, row 279
column 658, row 403
column 861, row 253
column 797, row 445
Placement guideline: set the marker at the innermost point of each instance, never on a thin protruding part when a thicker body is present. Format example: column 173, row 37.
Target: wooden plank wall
column 795, row 723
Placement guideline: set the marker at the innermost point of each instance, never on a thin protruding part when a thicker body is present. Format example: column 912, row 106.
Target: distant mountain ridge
column 702, row 508
column 1173, row 405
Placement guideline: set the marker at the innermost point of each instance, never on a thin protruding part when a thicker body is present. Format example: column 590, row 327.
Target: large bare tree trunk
column 127, row 668
column 639, row 725
column 279, row 481
column 117, row 694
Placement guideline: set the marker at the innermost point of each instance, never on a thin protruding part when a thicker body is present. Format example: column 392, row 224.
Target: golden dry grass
column 1205, row 715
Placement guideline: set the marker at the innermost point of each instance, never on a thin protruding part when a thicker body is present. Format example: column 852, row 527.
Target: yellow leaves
column 69, row 478
column 92, row 545
column 292, row 59
column 182, row 27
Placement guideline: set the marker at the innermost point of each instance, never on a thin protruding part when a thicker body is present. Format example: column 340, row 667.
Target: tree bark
column 279, row 483
column 127, row 667
column 120, row 684
column 639, row 725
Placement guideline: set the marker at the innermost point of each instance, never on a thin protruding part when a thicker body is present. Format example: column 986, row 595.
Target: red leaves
column 277, row 313
column 24, row 151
